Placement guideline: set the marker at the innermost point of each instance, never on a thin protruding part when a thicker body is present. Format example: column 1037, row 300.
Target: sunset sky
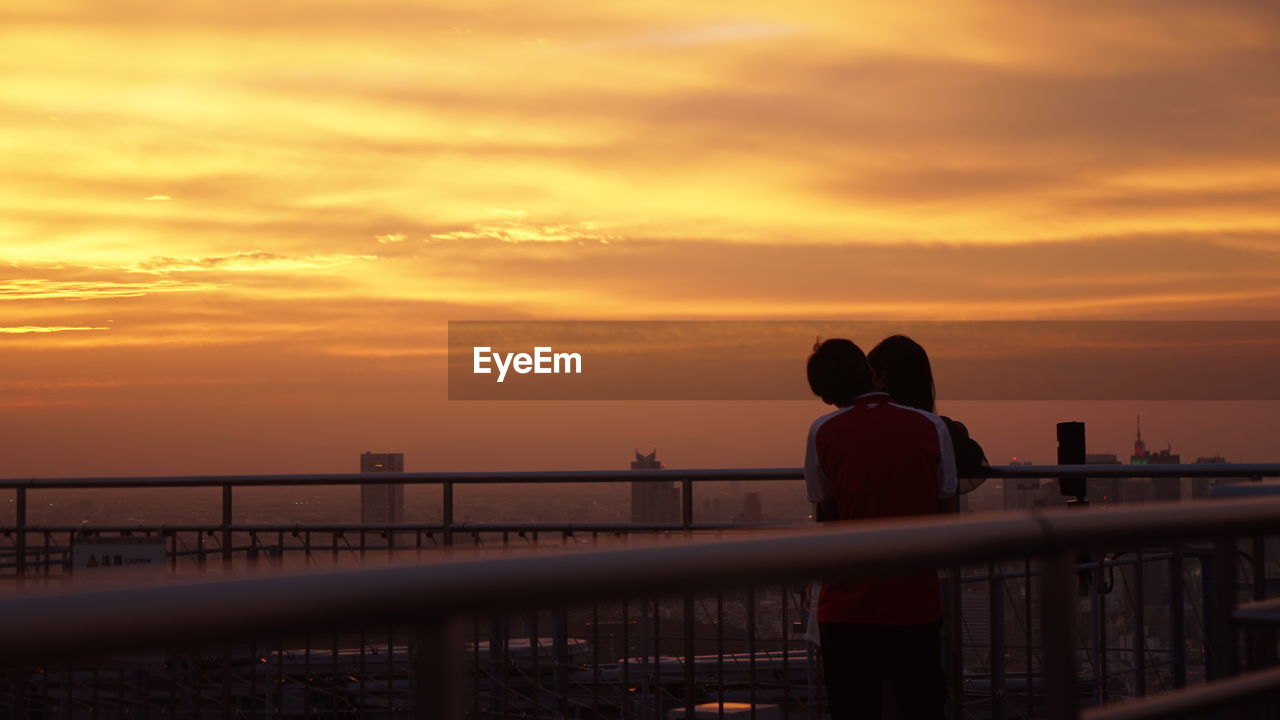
column 231, row 234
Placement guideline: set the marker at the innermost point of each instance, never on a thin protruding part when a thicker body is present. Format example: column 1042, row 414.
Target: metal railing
column 427, row 601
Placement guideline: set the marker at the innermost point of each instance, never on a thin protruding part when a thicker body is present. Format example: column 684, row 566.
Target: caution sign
column 100, row 553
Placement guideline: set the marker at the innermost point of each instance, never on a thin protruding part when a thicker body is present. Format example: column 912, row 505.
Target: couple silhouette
column 884, row 452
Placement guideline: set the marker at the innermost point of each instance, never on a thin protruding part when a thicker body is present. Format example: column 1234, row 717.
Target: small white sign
column 91, row 554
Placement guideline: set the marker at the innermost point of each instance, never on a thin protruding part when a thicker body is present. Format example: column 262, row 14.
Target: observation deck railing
column 249, row 644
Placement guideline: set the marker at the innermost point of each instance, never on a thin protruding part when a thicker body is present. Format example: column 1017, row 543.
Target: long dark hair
column 905, row 367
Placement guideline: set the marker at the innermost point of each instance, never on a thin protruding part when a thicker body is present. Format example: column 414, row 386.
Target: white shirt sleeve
column 815, row 480
column 947, row 476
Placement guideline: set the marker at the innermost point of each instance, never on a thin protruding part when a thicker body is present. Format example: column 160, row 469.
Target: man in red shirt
column 872, row 458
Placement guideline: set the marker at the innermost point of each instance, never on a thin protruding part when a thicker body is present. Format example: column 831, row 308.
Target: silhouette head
column 838, row 372
column 900, row 367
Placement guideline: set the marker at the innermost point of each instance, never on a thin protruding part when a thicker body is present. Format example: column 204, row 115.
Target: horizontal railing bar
column 34, row 627
column 427, row 478
column 1192, row 700
column 1233, row 470
column 1259, row 612
column 406, row 527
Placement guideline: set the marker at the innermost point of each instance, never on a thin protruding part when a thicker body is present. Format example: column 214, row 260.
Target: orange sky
column 231, row 233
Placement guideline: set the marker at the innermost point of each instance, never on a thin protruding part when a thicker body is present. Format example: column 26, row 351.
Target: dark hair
column 838, row 372
column 905, row 367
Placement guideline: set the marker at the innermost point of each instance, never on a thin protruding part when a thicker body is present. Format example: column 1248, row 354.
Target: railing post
column 446, row 511
column 20, row 531
column 1139, row 626
column 690, row 681
column 1224, row 604
column 1098, row 630
column 686, row 505
column 226, row 527
column 954, row 648
column 1057, row 623
column 439, row 670
column 995, row 617
column 1177, row 618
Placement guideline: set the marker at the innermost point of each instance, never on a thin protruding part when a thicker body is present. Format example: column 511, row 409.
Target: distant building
column 382, row 503
column 1201, row 486
column 653, row 501
column 1139, row 489
column 1022, row 492
column 1104, row 491
column 752, row 509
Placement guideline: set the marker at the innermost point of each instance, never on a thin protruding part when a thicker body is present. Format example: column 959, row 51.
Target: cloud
column 45, row 289
column 713, row 34
column 247, row 262
column 514, row 229
column 390, row 238
column 23, row 329
column 158, row 197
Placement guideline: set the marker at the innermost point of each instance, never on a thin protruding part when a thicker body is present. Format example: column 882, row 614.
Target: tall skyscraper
column 653, row 501
column 1152, row 488
column 382, row 503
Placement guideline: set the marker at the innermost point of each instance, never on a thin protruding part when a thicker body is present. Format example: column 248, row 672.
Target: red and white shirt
column 878, row 459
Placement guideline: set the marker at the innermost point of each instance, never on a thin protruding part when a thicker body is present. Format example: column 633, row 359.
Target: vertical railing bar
column 956, row 649
column 391, row 670
column 1177, row 618
column 657, row 658
column 67, row 693
column 20, row 532
column 253, row 671
column 446, row 511
column 1259, row 552
column 595, row 653
column 438, row 671
column 1027, row 611
column 535, row 649
column 686, row 508
column 225, row 664
column 1224, row 604
column 226, row 527
column 689, row 682
column 560, row 665
column 307, row 711
column 1139, row 625
column 751, row 646
column 506, row 666
column 1099, row 579
column 786, row 653
column 1057, row 627
column 626, row 661
column 360, row 658
column 720, row 651
column 995, row 617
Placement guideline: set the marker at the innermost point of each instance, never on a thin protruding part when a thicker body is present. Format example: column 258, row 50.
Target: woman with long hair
column 900, row 367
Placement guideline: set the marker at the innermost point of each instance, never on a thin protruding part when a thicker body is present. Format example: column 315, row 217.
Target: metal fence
column 1035, row 627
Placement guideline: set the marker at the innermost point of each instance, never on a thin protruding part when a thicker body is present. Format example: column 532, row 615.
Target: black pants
column 858, row 660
